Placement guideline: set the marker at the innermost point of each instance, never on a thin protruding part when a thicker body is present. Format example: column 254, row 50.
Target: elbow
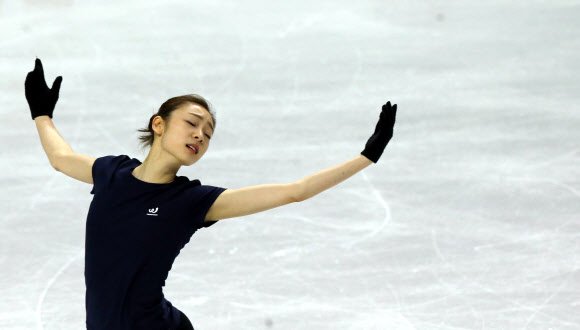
column 53, row 160
column 298, row 189
column 55, row 166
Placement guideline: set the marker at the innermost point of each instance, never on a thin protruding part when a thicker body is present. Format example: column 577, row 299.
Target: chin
column 191, row 162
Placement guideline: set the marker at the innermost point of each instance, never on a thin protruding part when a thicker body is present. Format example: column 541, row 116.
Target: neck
column 155, row 171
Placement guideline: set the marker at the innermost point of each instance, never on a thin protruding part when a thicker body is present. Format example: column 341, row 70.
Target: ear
column 158, row 125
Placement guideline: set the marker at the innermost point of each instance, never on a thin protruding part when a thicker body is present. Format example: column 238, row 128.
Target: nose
column 198, row 136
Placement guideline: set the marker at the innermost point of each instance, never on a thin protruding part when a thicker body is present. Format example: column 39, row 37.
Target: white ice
column 470, row 219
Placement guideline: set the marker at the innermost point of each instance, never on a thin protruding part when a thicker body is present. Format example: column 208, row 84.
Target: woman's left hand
column 383, row 133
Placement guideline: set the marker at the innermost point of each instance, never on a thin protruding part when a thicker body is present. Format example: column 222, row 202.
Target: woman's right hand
column 41, row 99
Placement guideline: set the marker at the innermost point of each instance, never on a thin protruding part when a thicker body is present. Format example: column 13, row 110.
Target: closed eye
column 209, row 137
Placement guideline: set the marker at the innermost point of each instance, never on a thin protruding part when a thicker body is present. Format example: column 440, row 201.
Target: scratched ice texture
column 470, row 219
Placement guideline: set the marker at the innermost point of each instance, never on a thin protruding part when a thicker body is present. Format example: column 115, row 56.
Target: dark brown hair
column 167, row 109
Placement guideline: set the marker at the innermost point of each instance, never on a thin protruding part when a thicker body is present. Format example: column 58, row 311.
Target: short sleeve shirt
column 134, row 232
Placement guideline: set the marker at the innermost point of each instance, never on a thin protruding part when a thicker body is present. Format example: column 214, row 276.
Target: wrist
column 366, row 160
column 42, row 118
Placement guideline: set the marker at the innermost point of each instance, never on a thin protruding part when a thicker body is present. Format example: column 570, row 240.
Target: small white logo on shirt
column 153, row 211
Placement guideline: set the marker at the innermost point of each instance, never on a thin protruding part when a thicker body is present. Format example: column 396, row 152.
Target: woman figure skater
column 143, row 214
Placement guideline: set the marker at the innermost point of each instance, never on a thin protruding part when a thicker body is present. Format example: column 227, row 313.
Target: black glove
column 383, row 133
column 41, row 100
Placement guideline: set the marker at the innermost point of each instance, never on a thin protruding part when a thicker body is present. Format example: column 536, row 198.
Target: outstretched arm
column 249, row 200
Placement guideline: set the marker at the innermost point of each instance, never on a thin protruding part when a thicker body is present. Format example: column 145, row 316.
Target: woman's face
column 191, row 125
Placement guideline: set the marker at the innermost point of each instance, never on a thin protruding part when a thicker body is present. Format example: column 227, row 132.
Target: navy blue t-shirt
column 134, row 232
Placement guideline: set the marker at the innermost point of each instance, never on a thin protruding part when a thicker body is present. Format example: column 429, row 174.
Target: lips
column 190, row 146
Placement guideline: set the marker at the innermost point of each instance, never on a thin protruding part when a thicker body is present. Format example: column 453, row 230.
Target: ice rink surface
column 470, row 219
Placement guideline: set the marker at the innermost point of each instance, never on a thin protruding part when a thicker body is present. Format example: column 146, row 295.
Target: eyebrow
column 195, row 114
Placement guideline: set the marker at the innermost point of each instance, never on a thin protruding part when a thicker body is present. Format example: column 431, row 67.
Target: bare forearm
column 51, row 140
column 316, row 183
